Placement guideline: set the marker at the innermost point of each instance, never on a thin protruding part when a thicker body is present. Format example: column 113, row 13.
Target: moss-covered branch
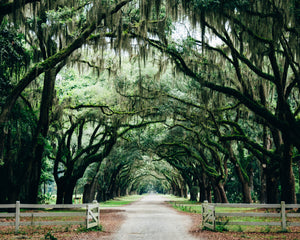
column 10, row 7
column 247, row 100
column 52, row 61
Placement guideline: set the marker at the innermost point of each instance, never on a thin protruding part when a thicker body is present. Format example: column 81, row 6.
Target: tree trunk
column 287, row 178
column 203, row 193
column 217, row 194
column 263, row 185
column 86, row 193
column 91, row 188
column 35, row 167
column 65, row 189
column 185, row 194
column 272, row 187
column 222, row 193
column 246, row 189
column 68, row 198
column 194, row 193
column 209, row 193
column 246, row 192
column 60, row 193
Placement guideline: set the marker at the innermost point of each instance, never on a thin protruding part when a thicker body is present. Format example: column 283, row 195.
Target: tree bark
column 287, row 178
column 204, row 189
column 217, row 194
column 263, row 185
column 194, row 193
column 272, row 181
column 243, row 181
column 222, row 192
column 65, row 189
column 41, row 134
column 90, row 190
column 86, row 193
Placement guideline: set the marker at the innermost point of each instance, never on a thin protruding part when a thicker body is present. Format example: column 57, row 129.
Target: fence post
column 204, row 205
column 17, row 219
column 87, row 216
column 98, row 212
column 214, row 218
column 283, row 216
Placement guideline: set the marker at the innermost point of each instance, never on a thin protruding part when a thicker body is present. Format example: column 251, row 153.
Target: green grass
column 197, row 208
column 116, row 202
column 177, row 199
column 228, row 210
column 185, row 205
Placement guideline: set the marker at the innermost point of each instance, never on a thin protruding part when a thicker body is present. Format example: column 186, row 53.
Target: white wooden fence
column 90, row 212
column 210, row 216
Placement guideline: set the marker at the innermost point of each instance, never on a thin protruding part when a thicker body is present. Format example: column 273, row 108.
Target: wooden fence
column 90, row 214
column 210, row 216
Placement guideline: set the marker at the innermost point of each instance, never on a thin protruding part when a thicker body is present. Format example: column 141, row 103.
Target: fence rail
column 91, row 212
column 210, row 216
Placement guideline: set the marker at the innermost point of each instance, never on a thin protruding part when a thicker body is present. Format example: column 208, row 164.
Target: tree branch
column 51, row 62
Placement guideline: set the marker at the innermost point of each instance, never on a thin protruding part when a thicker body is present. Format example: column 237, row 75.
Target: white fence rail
column 210, row 216
column 91, row 212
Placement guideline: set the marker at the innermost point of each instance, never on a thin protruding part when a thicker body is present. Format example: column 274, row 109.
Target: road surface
column 151, row 219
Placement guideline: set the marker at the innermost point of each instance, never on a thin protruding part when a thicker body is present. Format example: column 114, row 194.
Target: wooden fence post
column 283, row 216
column 17, row 218
column 98, row 211
column 204, row 205
column 208, row 216
column 87, row 216
column 214, row 218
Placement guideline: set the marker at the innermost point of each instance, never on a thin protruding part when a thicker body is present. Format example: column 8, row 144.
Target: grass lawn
column 116, row 202
column 185, row 205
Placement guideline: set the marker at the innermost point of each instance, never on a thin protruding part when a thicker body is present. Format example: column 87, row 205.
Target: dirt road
column 151, row 219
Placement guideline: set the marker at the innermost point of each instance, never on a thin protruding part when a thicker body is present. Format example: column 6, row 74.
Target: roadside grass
column 173, row 198
column 121, row 201
column 184, row 205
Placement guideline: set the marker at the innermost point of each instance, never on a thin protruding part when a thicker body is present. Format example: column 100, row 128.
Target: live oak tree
column 52, row 51
column 259, row 41
column 20, row 128
column 255, row 64
column 127, row 169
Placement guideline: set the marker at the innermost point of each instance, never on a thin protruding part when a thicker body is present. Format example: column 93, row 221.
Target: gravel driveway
column 151, row 219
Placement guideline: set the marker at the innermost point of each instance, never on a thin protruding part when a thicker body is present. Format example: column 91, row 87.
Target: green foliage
column 120, row 201
column 221, row 228
column 46, row 198
column 83, row 229
column 217, row 4
column 209, row 133
column 13, row 57
column 50, row 236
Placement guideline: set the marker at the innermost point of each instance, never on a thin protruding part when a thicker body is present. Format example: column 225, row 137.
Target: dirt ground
column 111, row 221
column 151, row 218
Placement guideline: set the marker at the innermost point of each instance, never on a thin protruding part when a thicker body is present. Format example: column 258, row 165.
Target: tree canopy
column 134, row 95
